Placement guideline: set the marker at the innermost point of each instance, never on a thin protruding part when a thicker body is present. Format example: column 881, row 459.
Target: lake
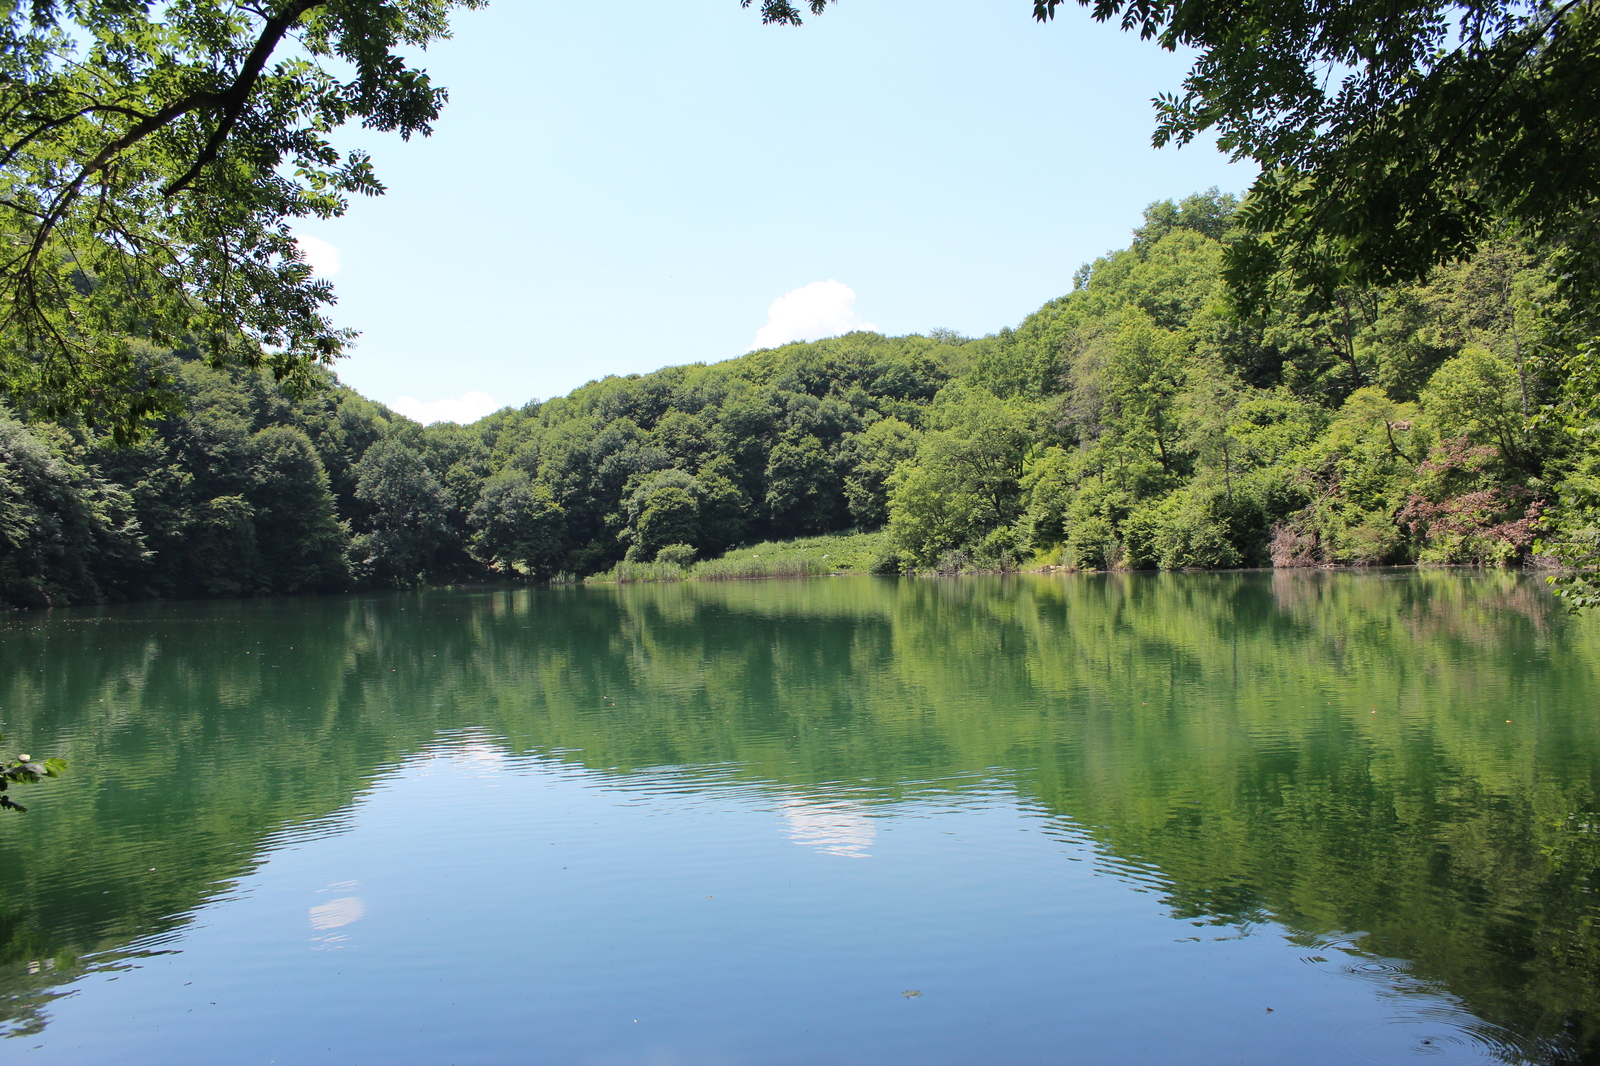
column 1132, row 818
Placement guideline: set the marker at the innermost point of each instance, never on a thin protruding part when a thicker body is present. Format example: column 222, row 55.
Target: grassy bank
column 838, row 553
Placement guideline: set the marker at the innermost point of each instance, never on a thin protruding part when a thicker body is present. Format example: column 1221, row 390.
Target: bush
column 676, row 555
column 997, row 551
column 1091, row 545
column 1189, row 536
column 887, row 565
column 1464, row 513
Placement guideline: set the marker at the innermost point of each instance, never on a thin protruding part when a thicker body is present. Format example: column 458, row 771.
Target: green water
column 1137, row 818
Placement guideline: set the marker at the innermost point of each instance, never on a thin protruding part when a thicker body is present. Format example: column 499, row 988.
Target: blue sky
column 614, row 189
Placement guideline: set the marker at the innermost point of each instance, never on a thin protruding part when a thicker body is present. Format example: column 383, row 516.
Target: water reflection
column 832, row 828
column 1399, row 769
column 338, row 912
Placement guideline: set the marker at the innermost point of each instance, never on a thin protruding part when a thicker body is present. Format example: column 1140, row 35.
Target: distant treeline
column 1134, row 423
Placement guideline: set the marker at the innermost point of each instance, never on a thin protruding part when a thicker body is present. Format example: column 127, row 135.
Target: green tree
column 150, row 157
column 297, row 534
column 63, row 530
column 664, row 509
column 964, row 485
column 518, row 524
column 1356, row 475
column 220, row 550
column 1391, row 137
column 724, row 507
column 872, row 455
column 804, row 492
column 1478, row 395
column 1143, row 376
column 405, row 524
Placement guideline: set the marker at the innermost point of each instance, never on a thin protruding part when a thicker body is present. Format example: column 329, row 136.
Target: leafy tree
column 221, row 552
column 668, row 513
column 1477, row 394
column 1209, row 213
column 297, row 533
column 783, row 13
column 65, row 534
column 705, row 511
column 519, row 524
column 150, row 157
column 724, row 507
column 405, row 524
column 872, row 455
column 1391, row 138
column 1142, row 377
column 804, row 491
column 964, row 485
column 1571, row 530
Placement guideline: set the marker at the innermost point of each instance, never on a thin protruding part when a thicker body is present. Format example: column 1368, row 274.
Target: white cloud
column 469, row 408
column 323, row 257
column 821, row 309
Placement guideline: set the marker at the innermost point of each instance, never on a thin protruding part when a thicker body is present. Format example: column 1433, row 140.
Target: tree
column 518, row 523
column 151, row 156
column 783, row 13
column 406, row 515
column 664, row 508
column 804, row 492
column 63, row 529
column 705, row 510
column 297, row 533
column 1477, row 395
column 1392, row 137
column 873, row 454
column 964, row 483
column 1143, row 376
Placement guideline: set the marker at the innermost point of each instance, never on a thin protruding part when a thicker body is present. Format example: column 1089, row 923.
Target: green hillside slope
column 1136, row 422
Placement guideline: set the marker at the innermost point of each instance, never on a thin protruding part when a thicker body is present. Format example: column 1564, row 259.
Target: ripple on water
column 779, row 803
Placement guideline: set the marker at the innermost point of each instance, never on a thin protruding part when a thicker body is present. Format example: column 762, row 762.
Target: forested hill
column 1134, row 422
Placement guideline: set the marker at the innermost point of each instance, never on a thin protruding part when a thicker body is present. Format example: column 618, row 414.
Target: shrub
column 676, row 554
column 887, row 564
column 1463, row 513
column 1091, row 544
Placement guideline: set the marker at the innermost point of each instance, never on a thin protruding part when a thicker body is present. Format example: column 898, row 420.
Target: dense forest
column 1137, row 422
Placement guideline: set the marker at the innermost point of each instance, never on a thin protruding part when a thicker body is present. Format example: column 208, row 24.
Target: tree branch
column 238, row 93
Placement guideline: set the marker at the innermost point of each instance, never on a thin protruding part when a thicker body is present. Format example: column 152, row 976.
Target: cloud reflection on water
column 833, row 828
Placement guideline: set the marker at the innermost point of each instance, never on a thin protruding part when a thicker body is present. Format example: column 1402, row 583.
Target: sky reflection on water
column 1193, row 819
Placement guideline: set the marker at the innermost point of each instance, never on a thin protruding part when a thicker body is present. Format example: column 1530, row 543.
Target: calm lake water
column 1236, row 818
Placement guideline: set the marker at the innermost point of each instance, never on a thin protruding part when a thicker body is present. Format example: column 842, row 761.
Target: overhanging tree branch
column 233, row 100
column 146, row 187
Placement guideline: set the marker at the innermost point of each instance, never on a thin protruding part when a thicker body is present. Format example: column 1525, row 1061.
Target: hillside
column 1134, row 422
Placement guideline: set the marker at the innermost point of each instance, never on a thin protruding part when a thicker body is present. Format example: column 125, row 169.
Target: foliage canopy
column 1392, row 137
column 1132, row 423
column 151, row 156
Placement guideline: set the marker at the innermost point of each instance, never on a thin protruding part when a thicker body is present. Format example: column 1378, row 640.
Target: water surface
column 1237, row 818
